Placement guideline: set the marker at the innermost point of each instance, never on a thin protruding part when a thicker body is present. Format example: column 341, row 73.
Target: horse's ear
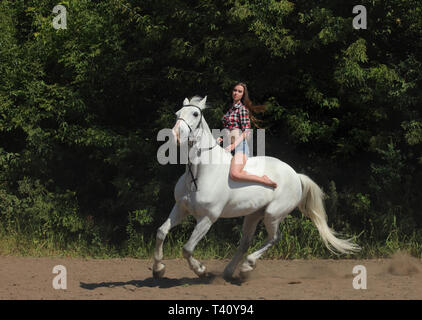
column 203, row 102
column 186, row 101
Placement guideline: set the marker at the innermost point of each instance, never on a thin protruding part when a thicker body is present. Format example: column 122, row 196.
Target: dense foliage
column 80, row 109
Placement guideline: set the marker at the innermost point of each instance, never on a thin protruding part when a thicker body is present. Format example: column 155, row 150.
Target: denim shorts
column 242, row 147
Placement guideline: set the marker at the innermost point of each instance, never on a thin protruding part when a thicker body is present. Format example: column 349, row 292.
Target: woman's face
column 237, row 93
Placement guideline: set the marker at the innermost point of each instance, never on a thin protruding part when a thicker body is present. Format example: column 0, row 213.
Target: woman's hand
column 230, row 147
column 219, row 139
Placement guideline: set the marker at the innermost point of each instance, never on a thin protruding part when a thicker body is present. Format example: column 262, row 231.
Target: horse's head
column 189, row 119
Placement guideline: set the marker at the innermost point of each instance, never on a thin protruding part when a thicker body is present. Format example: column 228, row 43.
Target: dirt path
column 32, row 278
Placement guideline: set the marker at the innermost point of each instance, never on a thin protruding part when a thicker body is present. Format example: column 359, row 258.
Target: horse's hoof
column 202, row 273
column 246, row 271
column 245, row 275
column 228, row 277
column 159, row 274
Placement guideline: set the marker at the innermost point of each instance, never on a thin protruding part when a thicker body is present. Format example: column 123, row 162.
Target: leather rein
column 190, row 144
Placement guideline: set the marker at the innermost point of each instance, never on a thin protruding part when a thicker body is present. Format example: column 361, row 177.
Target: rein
column 190, row 144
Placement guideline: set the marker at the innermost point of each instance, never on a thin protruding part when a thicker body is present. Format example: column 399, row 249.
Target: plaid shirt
column 237, row 117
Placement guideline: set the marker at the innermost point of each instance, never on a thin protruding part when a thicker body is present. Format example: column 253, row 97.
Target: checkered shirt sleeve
column 244, row 121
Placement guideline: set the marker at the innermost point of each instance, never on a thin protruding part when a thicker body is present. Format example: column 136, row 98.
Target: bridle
column 190, row 143
column 200, row 120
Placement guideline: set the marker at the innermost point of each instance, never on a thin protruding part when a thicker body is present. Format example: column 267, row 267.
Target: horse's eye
column 196, row 113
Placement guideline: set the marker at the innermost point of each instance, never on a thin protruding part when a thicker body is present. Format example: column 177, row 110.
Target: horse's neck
column 208, row 141
column 206, row 137
column 211, row 157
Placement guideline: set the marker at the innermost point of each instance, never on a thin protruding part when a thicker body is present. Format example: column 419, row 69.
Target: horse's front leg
column 201, row 229
column 176, row 216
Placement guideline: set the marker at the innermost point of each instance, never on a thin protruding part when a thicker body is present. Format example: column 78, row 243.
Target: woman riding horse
column 237, row 124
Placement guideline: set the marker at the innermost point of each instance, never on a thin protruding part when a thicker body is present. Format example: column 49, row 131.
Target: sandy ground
column 32, row 278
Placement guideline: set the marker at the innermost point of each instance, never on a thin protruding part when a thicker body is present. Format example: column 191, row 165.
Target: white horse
column 206, row 192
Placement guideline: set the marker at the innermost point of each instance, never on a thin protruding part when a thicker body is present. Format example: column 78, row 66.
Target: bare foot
column 269, row 182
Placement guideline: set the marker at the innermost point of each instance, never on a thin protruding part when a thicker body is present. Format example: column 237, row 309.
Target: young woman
column 237, row 124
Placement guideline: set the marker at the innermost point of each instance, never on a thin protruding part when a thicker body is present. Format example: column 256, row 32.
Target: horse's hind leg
column 176, row 216
column 201, row 229
column 249, row 226
column 272, row 226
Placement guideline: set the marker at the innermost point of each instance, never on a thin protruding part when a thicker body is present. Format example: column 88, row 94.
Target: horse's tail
column 312, row 206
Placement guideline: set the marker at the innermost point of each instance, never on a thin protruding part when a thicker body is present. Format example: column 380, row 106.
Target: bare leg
column 176, row 216
column 249, row 226
column 238, row 174
column 201, row 229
